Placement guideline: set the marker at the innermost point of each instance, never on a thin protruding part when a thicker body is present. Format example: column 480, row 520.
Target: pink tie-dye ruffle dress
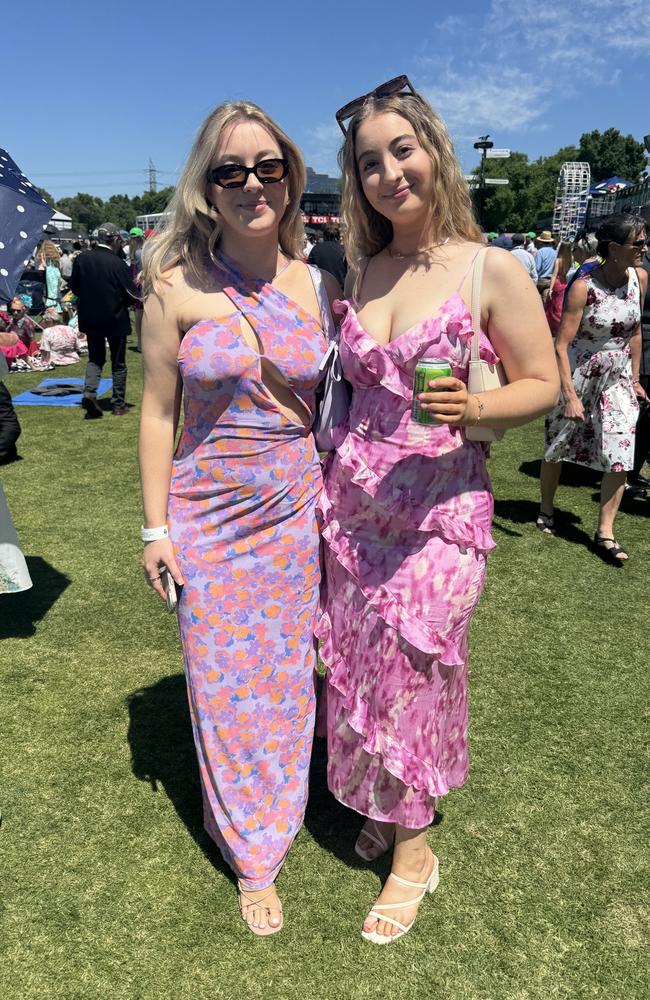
column 405, row 515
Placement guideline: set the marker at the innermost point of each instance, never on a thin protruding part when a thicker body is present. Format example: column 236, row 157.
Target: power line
column 102, row 173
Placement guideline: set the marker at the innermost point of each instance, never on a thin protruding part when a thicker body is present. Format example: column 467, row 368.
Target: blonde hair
column 451, row 213
column 191, row 230
column 50, row 251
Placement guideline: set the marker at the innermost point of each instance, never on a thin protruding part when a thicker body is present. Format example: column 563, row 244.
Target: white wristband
column 153, row 534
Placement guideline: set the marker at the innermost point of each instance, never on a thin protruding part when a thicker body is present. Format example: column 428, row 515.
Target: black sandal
column 611, row 552
column 545, row 523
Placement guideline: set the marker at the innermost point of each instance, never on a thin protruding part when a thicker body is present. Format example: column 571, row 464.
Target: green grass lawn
column 109, row 887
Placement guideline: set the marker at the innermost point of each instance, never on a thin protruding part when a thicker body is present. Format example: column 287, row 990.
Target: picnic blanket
column 29, row 398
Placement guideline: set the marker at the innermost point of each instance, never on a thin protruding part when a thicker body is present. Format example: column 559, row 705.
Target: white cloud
column 555, row 28
column 509, row 99
column 510, row 70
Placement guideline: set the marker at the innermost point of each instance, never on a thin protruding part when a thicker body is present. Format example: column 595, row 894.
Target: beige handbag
column 482, row 375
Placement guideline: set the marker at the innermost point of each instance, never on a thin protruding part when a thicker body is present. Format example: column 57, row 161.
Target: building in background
column 321, row 202
column 61, row 221
column 322, row 183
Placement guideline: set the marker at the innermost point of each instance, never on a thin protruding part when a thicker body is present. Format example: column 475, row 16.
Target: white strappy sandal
column 429, row 886
column 376, row 838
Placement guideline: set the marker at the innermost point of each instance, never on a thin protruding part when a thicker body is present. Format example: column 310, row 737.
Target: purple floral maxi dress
column 406, row 516
column 242, row 515
column 602, row 378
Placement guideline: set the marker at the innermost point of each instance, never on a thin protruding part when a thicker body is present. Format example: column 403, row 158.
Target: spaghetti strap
column 466, row 274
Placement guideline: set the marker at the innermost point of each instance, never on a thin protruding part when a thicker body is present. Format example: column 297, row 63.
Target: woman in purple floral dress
column 232, row 324
column 407, row 508
column 598, row 347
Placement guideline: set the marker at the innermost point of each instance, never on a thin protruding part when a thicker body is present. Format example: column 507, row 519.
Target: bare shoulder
column 501, row 266
column 577, row 295
column 169, row 286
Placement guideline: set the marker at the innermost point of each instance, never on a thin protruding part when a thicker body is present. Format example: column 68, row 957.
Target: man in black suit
column 102, row 283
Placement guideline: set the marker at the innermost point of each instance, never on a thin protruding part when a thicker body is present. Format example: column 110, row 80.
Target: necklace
column 396, row 255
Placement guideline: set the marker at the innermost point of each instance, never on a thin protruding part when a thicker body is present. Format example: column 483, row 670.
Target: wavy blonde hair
column 451, row 212
column 191, row 230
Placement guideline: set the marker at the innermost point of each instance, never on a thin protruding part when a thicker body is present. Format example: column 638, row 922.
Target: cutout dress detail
column 244, row 486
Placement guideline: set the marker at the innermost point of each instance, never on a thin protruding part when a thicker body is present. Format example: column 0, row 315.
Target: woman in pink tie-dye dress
column 406, row 508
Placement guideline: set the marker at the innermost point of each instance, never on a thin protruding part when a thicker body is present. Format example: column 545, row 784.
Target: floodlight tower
column 571, row 199
column 483, row 143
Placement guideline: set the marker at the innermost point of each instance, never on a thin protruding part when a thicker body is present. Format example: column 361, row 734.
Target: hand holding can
column 439, row 398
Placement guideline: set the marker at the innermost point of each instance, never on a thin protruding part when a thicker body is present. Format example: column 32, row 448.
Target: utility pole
column 483, row 144
column 153, row 183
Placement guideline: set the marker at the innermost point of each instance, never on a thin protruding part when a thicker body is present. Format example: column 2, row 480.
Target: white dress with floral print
column 602, row 378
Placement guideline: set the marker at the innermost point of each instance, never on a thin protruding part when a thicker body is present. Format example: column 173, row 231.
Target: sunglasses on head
column 235, row 175
column 394, row 86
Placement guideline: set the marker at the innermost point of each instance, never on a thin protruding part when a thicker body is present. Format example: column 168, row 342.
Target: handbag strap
column 327, row 320
column 477, row 279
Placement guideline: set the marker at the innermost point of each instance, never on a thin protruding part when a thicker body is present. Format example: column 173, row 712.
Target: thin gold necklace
column 396, row 255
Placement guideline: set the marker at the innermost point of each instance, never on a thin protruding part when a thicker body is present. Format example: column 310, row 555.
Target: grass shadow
column 163, row 754
column 636, row 506
column 526, row 511
column 572, row 475
column 20, row 612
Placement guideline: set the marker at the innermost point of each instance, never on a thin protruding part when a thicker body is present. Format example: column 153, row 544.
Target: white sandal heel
column 429, row 886
column 376, row 838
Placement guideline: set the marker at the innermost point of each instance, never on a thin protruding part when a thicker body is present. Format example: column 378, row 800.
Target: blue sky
column 91, row 91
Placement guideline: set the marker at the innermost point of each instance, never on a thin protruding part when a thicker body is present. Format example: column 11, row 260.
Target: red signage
column 322, row 218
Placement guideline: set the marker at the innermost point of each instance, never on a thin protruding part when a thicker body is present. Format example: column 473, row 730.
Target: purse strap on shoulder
column 327, row 320
column 477, row 280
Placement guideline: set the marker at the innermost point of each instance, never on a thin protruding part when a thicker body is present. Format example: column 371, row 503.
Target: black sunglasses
column 635, row 243
column 394, row 86
column 235, row 175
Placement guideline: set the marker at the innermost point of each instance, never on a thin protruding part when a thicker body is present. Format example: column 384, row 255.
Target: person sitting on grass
column 16, row 320
column 60, row 344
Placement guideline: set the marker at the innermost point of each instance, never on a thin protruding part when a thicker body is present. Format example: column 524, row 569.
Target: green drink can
column 426, row 370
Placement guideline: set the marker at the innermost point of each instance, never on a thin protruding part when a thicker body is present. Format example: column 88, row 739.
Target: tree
column 120, row 211
column 46, row 194
column 151, row 202
column 530, row 192
column 612, row 154
column 86, row 211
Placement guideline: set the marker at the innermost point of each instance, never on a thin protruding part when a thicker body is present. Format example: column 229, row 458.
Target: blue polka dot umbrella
column 23, row 217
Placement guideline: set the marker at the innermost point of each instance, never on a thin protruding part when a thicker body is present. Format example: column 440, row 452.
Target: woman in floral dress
column 232, row 324
column 407, row 508
column 598, row 348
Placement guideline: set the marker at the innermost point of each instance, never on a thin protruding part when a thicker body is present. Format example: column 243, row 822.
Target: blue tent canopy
column 602, row 187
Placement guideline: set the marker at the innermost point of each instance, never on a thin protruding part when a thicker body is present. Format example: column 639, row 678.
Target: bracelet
column 153, row 534
column 481, row 407
column 636, row 380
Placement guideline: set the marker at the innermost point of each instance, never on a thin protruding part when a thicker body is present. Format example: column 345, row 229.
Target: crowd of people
column 378, row 551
